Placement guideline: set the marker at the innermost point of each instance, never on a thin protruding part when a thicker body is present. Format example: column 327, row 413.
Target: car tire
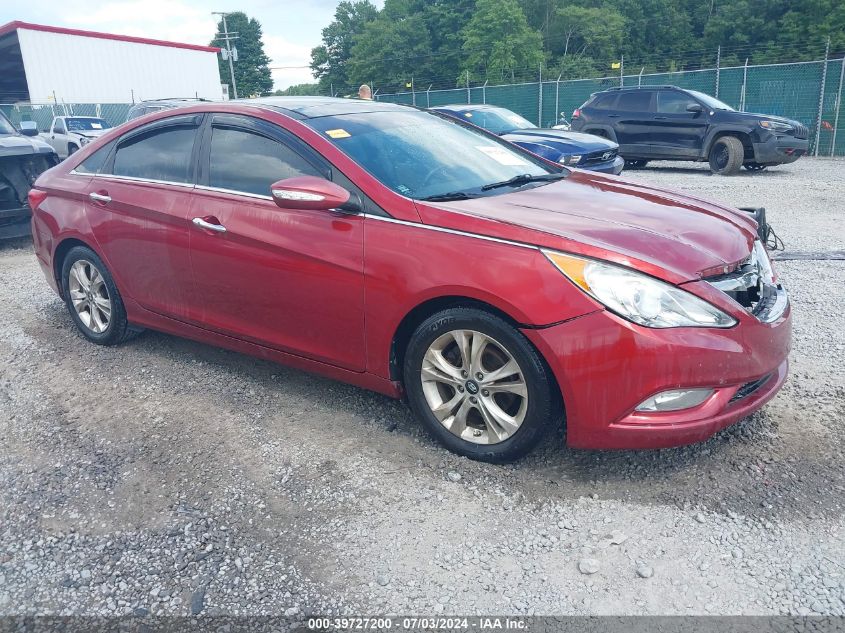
column 498, row 420
column 72, row 149
column 635, row 163
column 726, row 155
column 92, row 299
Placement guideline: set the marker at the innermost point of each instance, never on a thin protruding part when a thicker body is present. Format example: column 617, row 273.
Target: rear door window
column 635, row 101
column 162, row 153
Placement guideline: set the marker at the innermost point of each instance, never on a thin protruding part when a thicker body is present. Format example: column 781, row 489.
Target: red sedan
column 393, row 249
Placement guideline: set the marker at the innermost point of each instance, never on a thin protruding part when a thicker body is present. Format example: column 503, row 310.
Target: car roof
column 467, row 107
column 631, row 88
column 315, row 107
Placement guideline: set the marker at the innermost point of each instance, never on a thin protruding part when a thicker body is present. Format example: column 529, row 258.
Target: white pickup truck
column 68, row 133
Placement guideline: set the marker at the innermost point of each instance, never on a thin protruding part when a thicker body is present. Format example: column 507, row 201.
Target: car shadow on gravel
column 704, row 170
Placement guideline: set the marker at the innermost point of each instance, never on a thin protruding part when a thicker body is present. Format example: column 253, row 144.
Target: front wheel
column 726, row 155
column 479, row 386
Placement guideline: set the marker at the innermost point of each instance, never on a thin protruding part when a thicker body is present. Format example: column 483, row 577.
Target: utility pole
column 228, row 37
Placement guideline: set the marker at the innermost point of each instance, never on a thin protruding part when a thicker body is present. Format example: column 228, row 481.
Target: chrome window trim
column 150, row 181
column 441, row 229
column 246, row 194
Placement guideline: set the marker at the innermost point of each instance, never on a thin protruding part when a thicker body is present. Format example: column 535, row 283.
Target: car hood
column 756, row 116
column 91, row 133
column 664, row 233
column 14, row 145
column 561, row 139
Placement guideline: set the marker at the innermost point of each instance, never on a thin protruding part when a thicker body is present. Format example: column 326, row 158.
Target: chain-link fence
column 809, row 92
column 43, row 113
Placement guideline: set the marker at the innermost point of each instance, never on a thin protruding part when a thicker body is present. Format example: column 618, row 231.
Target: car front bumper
column 614, row 166
column 778, row 150
column 606, row 366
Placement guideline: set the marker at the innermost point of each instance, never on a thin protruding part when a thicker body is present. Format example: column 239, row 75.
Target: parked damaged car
column 23, row 157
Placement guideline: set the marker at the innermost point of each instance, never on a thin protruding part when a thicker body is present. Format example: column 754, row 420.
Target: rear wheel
column 726, row 155
column 479, row 386
column 92, row 298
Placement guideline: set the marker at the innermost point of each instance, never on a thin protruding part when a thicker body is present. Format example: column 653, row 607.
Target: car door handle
column 660, row 118
column 98, row 197
column 211, row 226
column 613, row 116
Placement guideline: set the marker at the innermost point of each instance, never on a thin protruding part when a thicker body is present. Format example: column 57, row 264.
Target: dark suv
column 670, row 123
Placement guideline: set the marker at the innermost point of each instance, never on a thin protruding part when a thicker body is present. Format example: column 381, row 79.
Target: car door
column 58, row 137
column 284, row 278
column 138, row 209
column 633, row 121
column 676, row 131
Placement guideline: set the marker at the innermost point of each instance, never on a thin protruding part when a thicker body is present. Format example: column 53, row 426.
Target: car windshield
column 710, row 102
column 421, row 155
column 496, row 120
column 5, row 126
column 84, row 124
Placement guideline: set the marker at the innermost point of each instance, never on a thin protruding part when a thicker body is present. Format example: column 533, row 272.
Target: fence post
column 427, row 98
column 621, row 71
column 540, row 98
column 742, row 93
column 718, row 66
column 413, row 92
column 838, row 104
column 557, row 99
column 640, row 79
column 484, row 92
column 469, row 97
column 821, row 99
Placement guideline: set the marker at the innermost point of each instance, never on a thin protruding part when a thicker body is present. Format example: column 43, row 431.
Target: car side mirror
column 308, row 192
column 29, row 128
column 695, row 107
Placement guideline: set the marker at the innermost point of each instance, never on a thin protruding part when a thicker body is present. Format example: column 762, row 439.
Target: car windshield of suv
column 710, row 102
column 5, row 126
column 497, row 120
column 85, row 124
column 421, row 155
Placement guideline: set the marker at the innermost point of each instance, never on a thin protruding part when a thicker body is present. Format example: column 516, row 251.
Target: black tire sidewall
column 118, row 325
column 543, row 396
column 735, row 155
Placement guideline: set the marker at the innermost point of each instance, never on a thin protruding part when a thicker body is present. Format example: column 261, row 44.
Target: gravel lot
column 167, row 477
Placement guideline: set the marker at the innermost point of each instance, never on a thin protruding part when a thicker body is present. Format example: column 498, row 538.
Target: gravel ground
column 167, row 477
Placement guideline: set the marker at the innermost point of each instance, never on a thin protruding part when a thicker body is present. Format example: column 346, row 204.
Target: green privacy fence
column 810, row 92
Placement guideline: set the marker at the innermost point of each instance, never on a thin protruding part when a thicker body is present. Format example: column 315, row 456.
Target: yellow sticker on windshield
column 338, row 133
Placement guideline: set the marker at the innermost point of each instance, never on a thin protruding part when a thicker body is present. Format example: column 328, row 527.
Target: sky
column 291, row 27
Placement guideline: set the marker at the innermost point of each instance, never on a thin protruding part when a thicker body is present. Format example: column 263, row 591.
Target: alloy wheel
column 89, row 296
column 474, row 387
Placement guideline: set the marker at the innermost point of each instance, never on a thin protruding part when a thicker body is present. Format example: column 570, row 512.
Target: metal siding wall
column 92, row 70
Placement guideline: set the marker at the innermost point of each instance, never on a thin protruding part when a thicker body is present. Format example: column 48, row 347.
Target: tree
column 585, row 32
column 329, row 60
column 252, row 71
column 498, row 41
column 299, row 90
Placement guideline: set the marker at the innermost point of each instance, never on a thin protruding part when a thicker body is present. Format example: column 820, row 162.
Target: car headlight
column 638, row 297
column 570, row 160
column 775, row 126
column 84, row 140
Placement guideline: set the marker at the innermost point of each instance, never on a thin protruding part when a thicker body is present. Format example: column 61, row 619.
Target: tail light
column 36, row 197
column 576, row 113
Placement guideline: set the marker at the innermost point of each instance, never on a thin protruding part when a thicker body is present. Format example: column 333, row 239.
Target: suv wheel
column 635, row 163
column 726, row 155
column 479, row 386
column 92, row 298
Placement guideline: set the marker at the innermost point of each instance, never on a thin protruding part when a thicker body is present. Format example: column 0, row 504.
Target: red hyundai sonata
column 409, row 254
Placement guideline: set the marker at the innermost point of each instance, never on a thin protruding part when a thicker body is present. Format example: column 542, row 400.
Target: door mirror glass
column 29, row 128
column 308, row 192
column 695, row 107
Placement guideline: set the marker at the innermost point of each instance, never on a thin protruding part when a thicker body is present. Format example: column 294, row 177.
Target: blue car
column 575, row 149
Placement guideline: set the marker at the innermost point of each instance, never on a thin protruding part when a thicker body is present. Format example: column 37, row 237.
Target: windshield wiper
column 452, row 195
column 524, row 179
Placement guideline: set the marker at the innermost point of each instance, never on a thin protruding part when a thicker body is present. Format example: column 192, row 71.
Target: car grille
column 752, row 287
column 748, row 388
column 800, row 131
column 601, row 156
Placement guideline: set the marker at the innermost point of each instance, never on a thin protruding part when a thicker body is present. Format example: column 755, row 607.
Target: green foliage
column 299, row 90
column 498, row 41
column 252, row 72
column 435, row 42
